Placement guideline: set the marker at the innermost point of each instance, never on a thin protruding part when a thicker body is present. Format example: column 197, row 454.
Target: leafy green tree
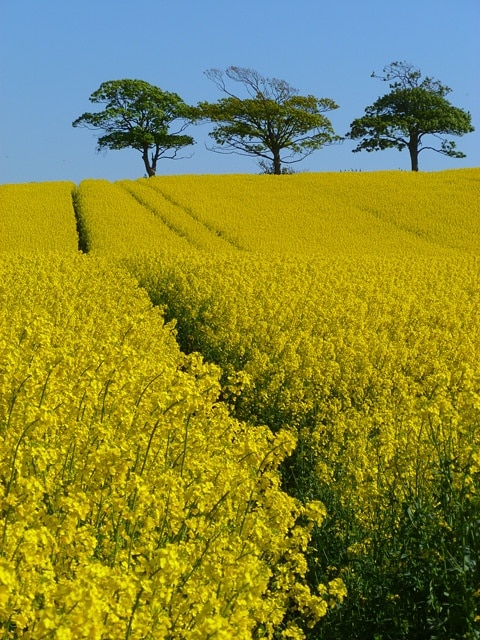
column 138, row 115
column 272, row 118
column 413, row 109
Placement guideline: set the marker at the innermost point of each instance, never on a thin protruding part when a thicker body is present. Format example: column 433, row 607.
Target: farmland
column 252, row 409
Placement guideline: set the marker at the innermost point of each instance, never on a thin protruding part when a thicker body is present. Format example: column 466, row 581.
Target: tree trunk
column 277, row 164
column 150, row 168
column 413, row 149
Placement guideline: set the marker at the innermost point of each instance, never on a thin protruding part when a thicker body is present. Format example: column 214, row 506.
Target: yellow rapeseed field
column 337, row 213
column 132, row 505
column 284, row 445
column 37, row 217
column 375, row 362
column 178, row 218
column 116, row 223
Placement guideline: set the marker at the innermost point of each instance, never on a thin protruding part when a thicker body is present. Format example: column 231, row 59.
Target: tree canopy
column 272, row 119
column 413, row 109
column 138, row 115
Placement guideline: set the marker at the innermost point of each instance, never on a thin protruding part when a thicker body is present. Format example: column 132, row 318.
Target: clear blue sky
column 55, row 53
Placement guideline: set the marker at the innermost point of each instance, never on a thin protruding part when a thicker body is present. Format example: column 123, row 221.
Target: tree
column 273, row 118
column 413, row 109
column 138, row 115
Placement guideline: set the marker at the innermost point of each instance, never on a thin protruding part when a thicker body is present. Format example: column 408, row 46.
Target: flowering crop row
column 177, row 217
column 116, row 223
column 131, row 504
column 37, row 217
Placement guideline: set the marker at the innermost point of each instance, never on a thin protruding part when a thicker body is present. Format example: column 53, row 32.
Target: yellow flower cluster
column 131, row 504
column 37, row 217
column 374, row 362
